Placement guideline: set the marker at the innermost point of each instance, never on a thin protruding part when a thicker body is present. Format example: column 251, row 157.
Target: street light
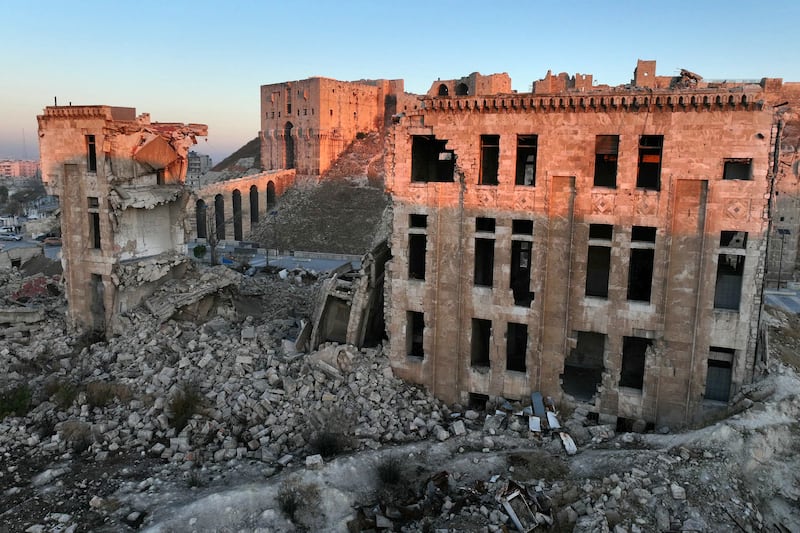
column 783, row 233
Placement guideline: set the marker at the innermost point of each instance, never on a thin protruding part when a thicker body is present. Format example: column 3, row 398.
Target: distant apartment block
column 18, row 168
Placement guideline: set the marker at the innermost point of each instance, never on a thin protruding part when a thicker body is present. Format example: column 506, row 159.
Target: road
column 51, row 252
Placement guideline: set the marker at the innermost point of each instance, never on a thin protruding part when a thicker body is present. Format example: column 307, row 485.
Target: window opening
column 91, row 154
column 718, row 374
column 605, row 160
column 649, row 172
column 738, row 169
column 516, row 346
column 490, row 159
column 634, row 351
column 200, row 214
column 253, row 204
column 94, row 221
column 430, row 160
column 219, row 217
column 522, row 227
column 415, row 331
column 733, row 239
column 481, row 335
column 443, row 90
column 484, row 262
column 462, row 89
column 237, row 215
column 526, row 160
column 728, row 289
column 417, row 243
column 583, row 368
column 484, row 224
column 521, row 273
column 640, row 267
column 601, row 231
column 418, row 221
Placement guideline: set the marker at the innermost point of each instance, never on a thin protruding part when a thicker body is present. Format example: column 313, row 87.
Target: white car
column 10, row 237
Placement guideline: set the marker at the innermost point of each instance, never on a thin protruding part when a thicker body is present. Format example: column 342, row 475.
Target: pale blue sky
column 203, row 61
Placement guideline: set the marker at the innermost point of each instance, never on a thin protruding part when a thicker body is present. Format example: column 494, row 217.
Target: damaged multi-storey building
column 120, row 181
column 603, row 244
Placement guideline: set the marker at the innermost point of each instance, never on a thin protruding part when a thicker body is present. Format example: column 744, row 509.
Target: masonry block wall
column 607, row 246
column 306, row 124
column 119, row 178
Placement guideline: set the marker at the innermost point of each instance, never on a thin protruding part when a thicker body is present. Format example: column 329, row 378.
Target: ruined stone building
column 306, row 124
column 602, row 243
column 120, row 181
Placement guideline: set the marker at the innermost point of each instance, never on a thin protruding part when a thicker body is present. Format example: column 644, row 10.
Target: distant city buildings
column 199, row 164
column 18, row 168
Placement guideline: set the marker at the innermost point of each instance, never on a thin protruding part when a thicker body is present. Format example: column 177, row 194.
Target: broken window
column 415, row 330
column 522, row 227
column 481, row 335
column 526, row 160
column 484, row 262
column 91, row 154
column 490, row 159
column 583, row 368
column 598, row 260
column 430, row 160
column 484, row 224
column 94, row 221
column 640, row 268
column 733, row 239
column 728, row 290
column 477, row 401
column 606, row 149
column 516, row 346
column 417, row 242
column 718, row 374
column 649, row 171
column 521, row 273
column 634, row 350
column 738, row 169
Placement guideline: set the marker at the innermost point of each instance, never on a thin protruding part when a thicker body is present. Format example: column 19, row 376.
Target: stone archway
column 200, row 217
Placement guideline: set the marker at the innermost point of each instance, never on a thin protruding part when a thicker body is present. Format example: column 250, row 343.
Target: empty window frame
column 640, row 268
column 481, row 336
column 634, row 350
column 733, row 239
column 490, row 159
column 415, row 333
column 598, row 260
column 718, row 374
column 417, row 243
column 520, row 279
column 516, row 346
column 648, row 175
column 485, row 224
column 728, row 289
column 583, row 368
column 93, row 204
column 417, row 221
column 737, row 169
column 484, row 262
column 526, row 160
column 606, row 149
column 91, row 154
column 430, row 160
column 522, row 227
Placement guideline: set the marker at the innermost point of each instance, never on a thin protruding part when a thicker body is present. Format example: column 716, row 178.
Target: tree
column 3, row 194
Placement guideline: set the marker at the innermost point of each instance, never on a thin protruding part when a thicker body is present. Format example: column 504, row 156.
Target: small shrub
column 361, row 135
column 77, row 435
column 328, row 443
column 16, row 401
column 63, row 394
column 390, row 471
column 184, row 404
column 102, row 393
column 199, row 251
column 332, row 430
column 294, row 496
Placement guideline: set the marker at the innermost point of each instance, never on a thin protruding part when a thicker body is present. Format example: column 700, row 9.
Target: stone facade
column 605, row 244
column 475, row 83
column 120, row 181
column 306, row 124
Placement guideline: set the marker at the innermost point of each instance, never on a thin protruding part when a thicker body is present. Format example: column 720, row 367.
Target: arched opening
column 200, row 210
column 289, row 140
column 270, row 196
column 462, row 89
column 237, row 215
column 443, row 90
column 219, row 217
column 253, row 204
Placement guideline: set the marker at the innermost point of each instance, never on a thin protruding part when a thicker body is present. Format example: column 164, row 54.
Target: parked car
column 52, row 241
column 10, row 237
